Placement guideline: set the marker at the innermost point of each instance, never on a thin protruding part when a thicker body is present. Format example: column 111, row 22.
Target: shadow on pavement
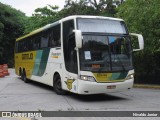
column 96, row 97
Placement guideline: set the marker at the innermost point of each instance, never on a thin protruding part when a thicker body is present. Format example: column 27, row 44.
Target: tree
column 50, row 13
column 42, row 17
column 89, row 7
column 142, row 16
column 11, row 27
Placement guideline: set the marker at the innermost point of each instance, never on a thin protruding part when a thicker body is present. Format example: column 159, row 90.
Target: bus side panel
column 46, row 65
column 25, row 60
column 41, row 62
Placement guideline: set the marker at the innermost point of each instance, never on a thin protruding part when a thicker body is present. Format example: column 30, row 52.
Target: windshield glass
column 105, row 53
column 101, row 26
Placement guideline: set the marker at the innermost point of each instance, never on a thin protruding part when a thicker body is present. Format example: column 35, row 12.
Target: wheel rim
column 58, row 85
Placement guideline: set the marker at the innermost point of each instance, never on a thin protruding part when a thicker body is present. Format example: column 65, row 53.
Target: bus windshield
column 102, row 53
column 101, row 26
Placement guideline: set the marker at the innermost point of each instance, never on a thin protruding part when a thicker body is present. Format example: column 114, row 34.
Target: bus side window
column 51, row 40
column 26, row 45
column 22, row 46
column 19, row 46
column 30, row 44
column 36, row 40
column 44, row 39
column 55, row 33
column 16, row 47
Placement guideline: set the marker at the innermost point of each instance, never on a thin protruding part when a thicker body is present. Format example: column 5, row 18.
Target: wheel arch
column 57, row 78
column 54, row 76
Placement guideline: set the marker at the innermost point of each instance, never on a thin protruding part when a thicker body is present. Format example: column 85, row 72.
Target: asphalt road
column 15, row 95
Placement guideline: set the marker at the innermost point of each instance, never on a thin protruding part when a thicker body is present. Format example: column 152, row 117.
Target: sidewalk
column 146, row 86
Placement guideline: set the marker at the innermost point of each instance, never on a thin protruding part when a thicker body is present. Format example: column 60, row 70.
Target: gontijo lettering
column 27, row 56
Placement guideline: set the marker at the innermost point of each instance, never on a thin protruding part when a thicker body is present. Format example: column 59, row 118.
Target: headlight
column 87, row 78
column 130, row 76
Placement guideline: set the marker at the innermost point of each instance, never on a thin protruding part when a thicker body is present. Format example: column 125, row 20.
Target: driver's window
column 70, row 56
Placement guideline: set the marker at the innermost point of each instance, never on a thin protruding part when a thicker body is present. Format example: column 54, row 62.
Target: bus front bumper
column 87, row 87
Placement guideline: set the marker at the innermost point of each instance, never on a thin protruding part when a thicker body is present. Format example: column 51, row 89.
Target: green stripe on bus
column 44, row 60
column 118, row 76
column 37, row 62
column 41, row 62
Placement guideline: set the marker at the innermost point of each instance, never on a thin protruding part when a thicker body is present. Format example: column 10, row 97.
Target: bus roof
column 65, row 19
column 90, row 16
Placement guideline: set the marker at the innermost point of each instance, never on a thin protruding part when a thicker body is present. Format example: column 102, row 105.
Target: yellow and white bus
column 79, row 54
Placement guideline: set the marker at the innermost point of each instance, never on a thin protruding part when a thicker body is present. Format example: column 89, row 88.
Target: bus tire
column 24, row 78
column 58, row 86
column 22, row 75
column 20, row 72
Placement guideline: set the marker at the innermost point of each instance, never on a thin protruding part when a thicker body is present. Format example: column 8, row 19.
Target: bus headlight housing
column 87, row 78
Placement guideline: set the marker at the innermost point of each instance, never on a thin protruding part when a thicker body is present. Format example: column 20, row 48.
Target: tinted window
column 70, row 56
column 55, row 39
column 48, row 38
column 44, row 39
column 36, row 43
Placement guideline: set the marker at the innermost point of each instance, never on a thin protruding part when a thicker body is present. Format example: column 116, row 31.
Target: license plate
column 111, row 87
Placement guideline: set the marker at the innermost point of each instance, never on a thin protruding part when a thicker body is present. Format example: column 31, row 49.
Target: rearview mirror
column 78, row 38
column 140, row 41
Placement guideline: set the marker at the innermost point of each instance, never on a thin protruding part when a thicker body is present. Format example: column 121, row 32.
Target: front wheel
column 58, row 86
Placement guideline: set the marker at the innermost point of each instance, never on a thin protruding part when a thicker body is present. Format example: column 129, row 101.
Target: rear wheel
column 20, row 72
column 58, row 86
column 23, row 76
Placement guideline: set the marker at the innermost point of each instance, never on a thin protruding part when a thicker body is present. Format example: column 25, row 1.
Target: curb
column 146, row 86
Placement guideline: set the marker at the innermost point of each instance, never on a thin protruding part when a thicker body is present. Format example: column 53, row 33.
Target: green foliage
column 143, row 16
column 11, row 27
column 50, row 14
column 41, row 17
column 89, row 7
